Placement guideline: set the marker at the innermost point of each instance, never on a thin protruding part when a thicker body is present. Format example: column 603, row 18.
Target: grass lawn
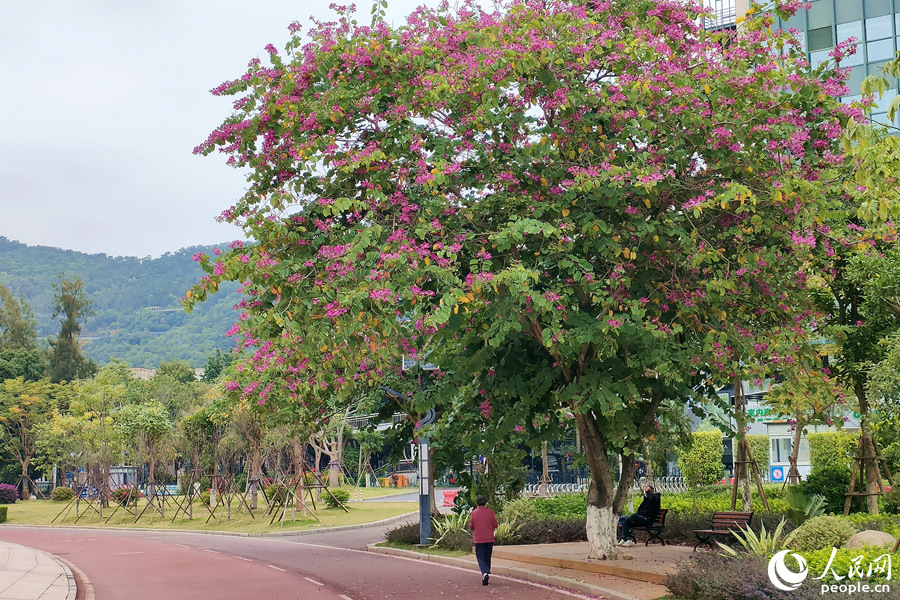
column 429, row 550
column 43, row 512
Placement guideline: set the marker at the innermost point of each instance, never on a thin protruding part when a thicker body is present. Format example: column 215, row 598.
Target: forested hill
column 136, row 301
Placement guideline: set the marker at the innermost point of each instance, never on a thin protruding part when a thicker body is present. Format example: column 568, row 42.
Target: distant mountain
column 136, row 301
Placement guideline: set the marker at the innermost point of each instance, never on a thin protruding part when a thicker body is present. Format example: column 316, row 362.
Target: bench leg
column 654, row 536
column 703, row 540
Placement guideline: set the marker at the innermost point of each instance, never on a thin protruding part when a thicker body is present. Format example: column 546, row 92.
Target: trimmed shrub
column 823, row 532
column 8, row 493
column 759, row 447
column 720, row 499
column 890, row 502
column 3, row 510
column 702, row 462
column 864, row 521
column 276, row 493
column 711, row 576
column 408, row 533
column 204, row 497
column 520, row 510
column 563, row 505
column 832, row 449
column 843, row 560
column 331, row 500
column 551, row 530
column 126, row 495
column 832, row 482
column 62, row 494
column 456, row 540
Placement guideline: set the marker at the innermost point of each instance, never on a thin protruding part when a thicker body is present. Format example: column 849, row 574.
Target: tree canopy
column 595, row 207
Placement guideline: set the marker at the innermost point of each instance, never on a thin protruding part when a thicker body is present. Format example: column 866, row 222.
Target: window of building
column 876, row 8
column 848, row 11
column 879, row 28
column 819, row 39
column 821, row 13
column 781, row 451
column 880, row 50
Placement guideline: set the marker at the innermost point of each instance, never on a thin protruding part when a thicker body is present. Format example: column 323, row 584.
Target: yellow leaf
column 427, row 261
column 750, row 169
column 706, row 88
column 188, row 295
column 647, row 202
column 456, row 309
column 565, row 212
column 655, row 238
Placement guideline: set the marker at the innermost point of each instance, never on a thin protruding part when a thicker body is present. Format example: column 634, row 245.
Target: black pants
column 483, row 554
column 630, row 521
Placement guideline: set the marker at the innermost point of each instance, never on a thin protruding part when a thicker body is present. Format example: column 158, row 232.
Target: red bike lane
column 138, row 569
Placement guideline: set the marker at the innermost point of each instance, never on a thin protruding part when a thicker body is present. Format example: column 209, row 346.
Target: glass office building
column 872, row 23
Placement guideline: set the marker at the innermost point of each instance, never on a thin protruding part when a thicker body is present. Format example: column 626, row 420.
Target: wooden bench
column 723, row 524
column 654, row 529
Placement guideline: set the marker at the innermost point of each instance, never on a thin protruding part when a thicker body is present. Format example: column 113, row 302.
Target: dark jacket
column 649, row 508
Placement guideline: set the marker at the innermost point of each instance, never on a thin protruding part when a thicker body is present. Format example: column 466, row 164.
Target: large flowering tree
column 582, row 208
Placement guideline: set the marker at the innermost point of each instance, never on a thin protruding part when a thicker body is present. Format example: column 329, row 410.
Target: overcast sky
column 102, row 103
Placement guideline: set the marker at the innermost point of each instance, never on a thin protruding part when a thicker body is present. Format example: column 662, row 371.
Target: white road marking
column 314, row 581
column 344, row 597
column 243, row 558
column 123, row 553
column 208, row 550
column 446, row 566
column 276, row 568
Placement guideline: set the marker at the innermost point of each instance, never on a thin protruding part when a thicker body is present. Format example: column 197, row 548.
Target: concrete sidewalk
column 639, row 577
column 29, row 574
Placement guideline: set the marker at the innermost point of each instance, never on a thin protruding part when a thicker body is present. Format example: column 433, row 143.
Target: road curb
column 299, row 532
column 513, row 572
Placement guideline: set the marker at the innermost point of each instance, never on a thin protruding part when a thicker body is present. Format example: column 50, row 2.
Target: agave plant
column 449, row 525
column 764, row 544
column 803, row 507
column 506, row 532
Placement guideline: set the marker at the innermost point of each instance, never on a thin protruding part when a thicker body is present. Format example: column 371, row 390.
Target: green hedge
column 759, row 446
column 702, row 462
column 832, row 449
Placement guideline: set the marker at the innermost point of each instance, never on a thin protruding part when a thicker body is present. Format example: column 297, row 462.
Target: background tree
column 25, row 406
column 17, row 323
column 66, row 360
column 93, row 408
column 146, row 431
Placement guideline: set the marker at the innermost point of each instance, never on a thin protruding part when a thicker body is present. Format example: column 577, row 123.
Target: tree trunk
column 601, row 515
column 869, row 462
column 648, row 464
column 298, row 451
column 26, row 487
column 254, row 474
column 794, row 472
column 742, row 456
column 543, row 492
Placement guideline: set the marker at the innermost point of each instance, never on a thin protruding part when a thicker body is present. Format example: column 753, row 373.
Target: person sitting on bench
column 645, row 515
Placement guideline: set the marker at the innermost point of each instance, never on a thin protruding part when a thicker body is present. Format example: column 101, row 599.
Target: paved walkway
column 29, row 574
column 638, row 577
